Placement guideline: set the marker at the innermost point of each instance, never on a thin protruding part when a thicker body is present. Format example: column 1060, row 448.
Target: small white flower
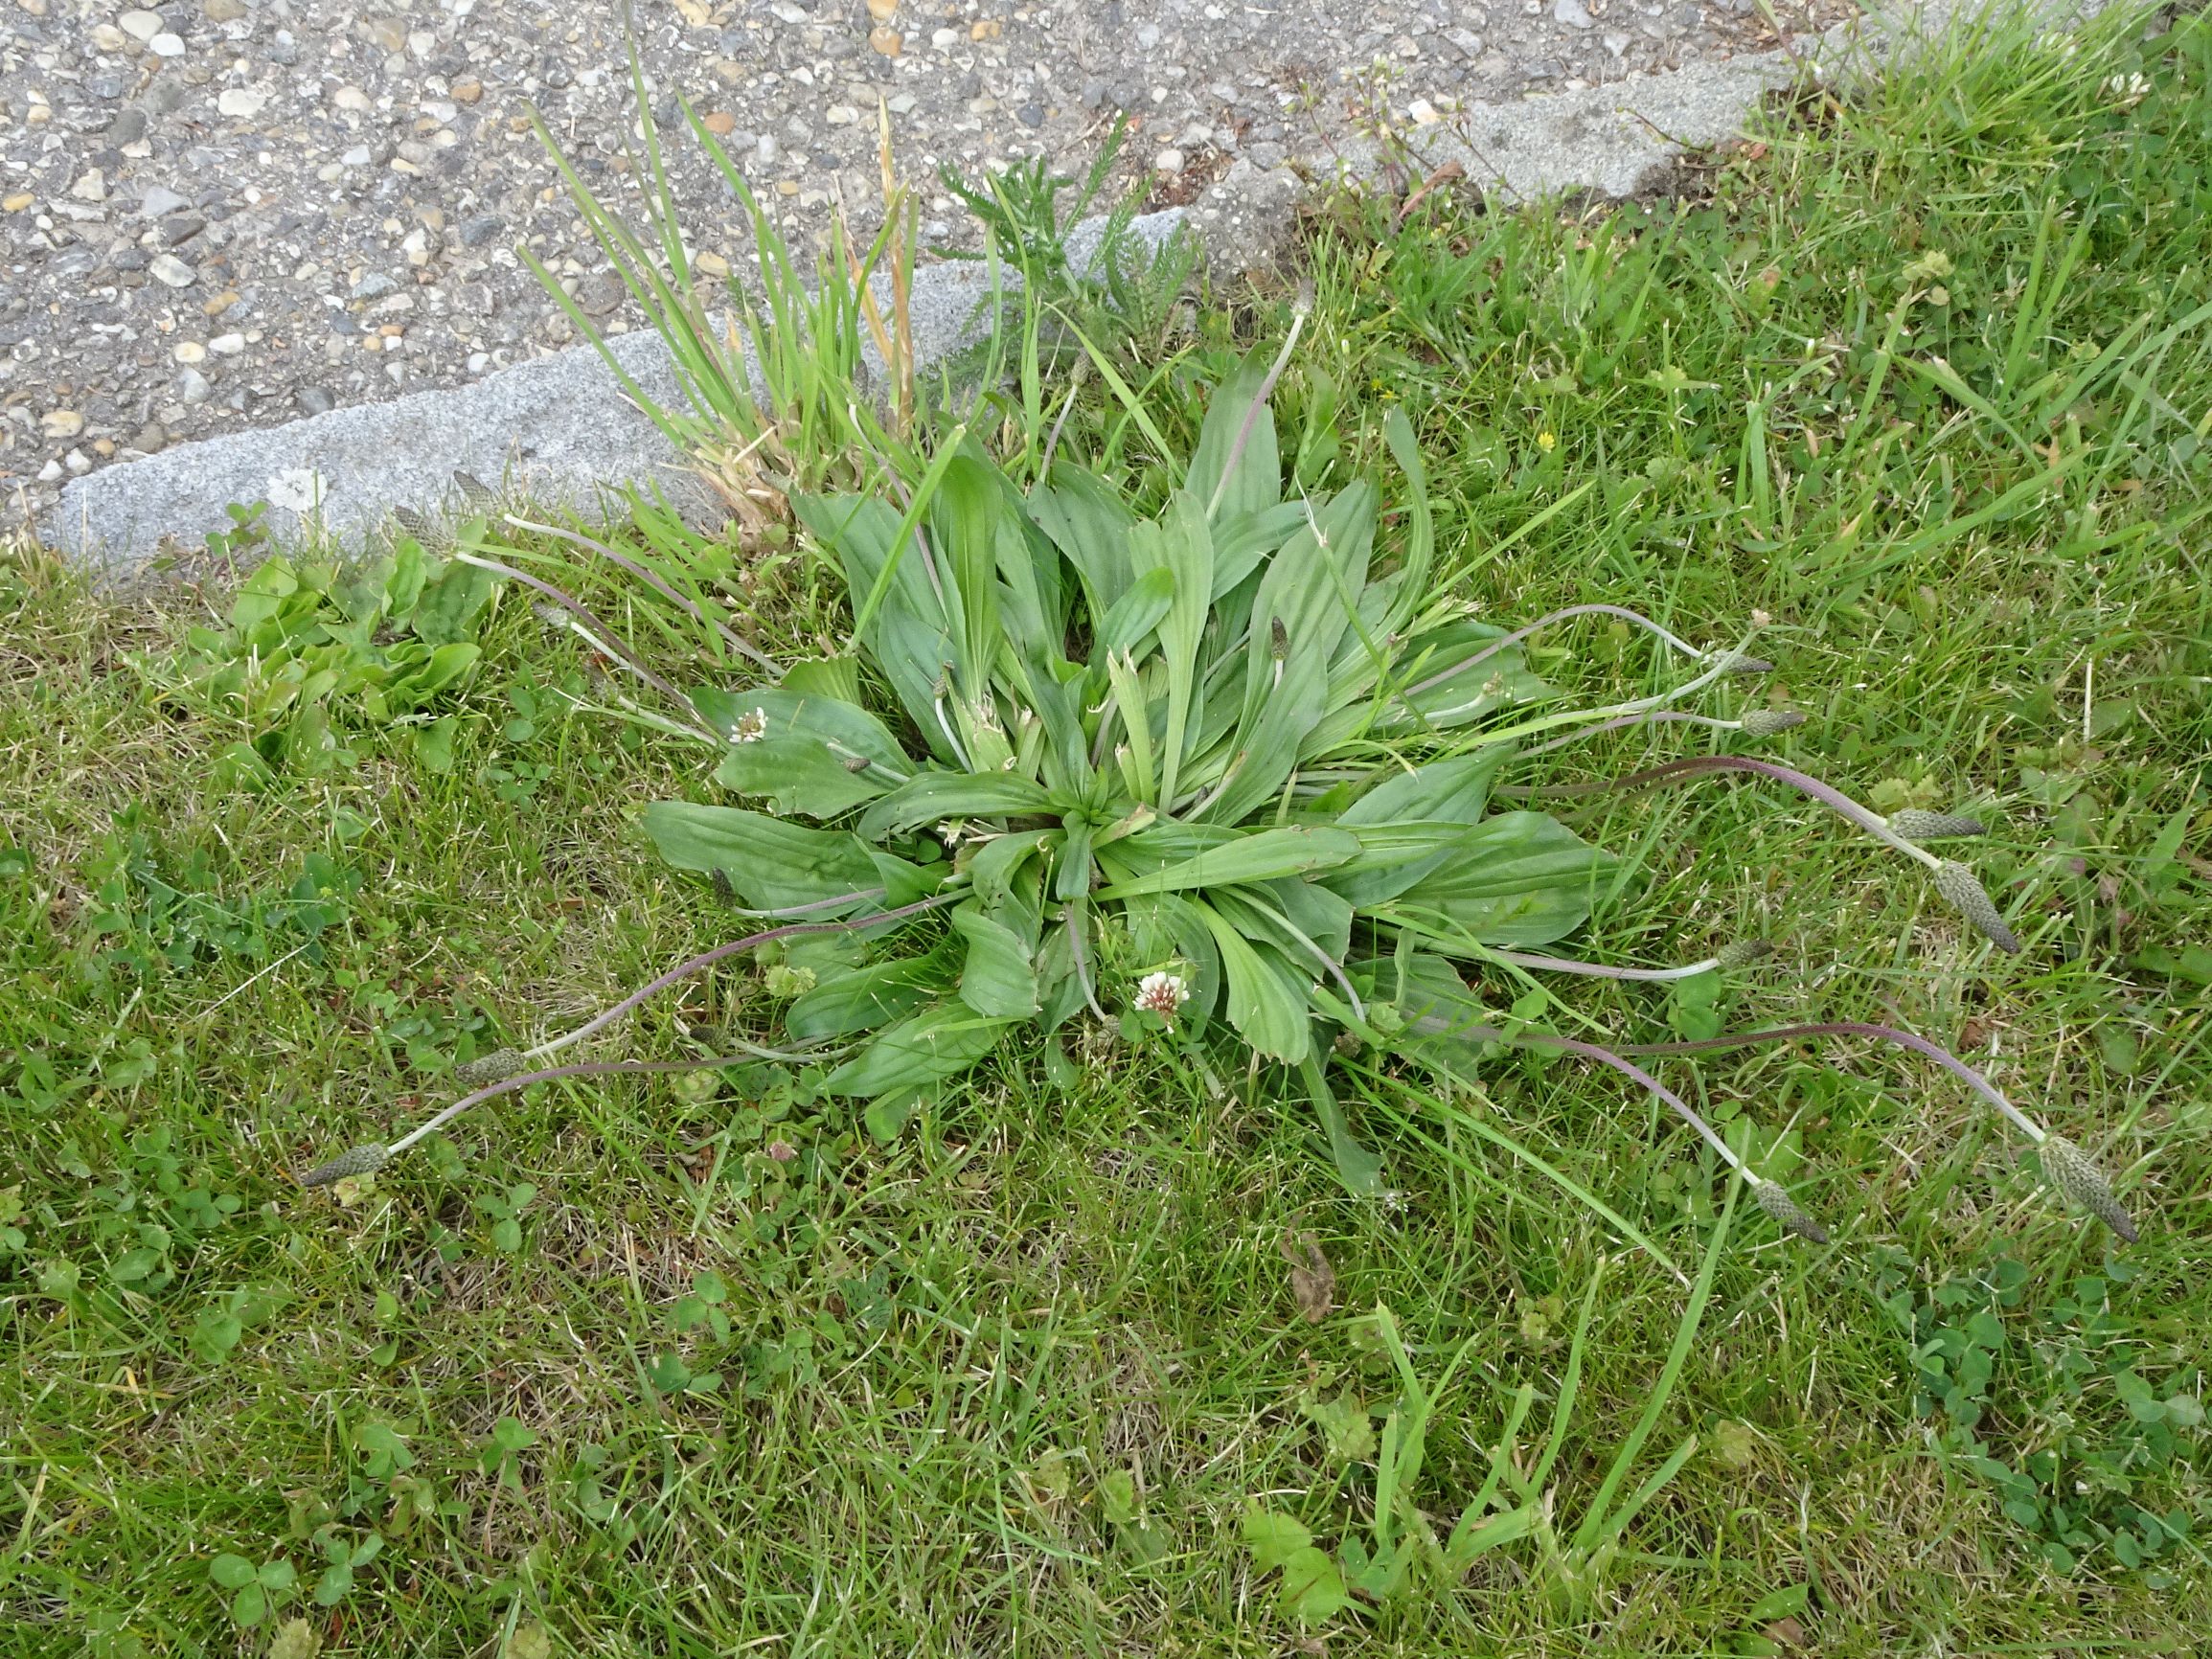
column 750, row 728
column 2127, row 90
column 1163, row 994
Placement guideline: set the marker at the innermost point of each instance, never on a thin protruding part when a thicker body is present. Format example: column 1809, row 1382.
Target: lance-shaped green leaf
column 932, row 797
column 1410, row 584
column 1182, row 545
column 1087, row 520
column 864, row 999
column 993, row 866
column 1135, row 614
column 940, row 1040
column 772, row 864
column 1517, row 879
column 1455, row 790
column 1356, row 1165
column 1266, row 745
column 910, row 636
column 1137, row 723
column 1267, row 1002
column 1264, row 856
column 1461, row 695
column 798, row 775
column 773, row 712
column 1255, row 483
column 998, row 978
column 964, row 520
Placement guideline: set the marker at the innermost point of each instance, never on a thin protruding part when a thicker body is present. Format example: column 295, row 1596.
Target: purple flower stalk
column 1734, row 661
column 1957, row 885
column 1770, row 1197
column 694, row 612
column 2069, row 1168
column 345, row 1164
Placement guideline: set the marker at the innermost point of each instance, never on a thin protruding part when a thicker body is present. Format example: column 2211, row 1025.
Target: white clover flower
column 750, row 728
column 1163, row 994
column 2127, row 90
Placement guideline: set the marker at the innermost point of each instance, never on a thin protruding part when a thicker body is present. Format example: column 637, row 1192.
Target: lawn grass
column 914, row 1370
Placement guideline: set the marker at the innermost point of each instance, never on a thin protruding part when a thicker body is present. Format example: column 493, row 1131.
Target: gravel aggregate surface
column 222, row 214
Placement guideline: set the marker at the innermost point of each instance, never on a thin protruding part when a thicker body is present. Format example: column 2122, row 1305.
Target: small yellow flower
column 1547, row 441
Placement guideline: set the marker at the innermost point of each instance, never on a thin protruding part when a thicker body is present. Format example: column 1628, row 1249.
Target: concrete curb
column 561, row 431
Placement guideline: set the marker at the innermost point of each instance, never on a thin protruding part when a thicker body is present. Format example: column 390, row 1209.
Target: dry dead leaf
column 1313, row 1281
column 1788, row 1634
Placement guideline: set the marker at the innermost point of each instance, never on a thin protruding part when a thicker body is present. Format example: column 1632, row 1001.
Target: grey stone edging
column 562, row 431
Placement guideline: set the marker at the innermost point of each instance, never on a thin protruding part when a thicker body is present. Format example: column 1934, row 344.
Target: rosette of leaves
column 1184, row 752
column 1226, row 771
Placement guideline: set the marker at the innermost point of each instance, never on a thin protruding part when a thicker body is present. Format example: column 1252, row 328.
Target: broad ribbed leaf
column 1258, row 857
column 1181, row 544
column 1465, row 693
column 1517, row 879
column 910, row 636
column 798, row 775
column 998, row 978
column 862, row 999
column 930, row 797
column 772, row 864
column 1308, row 588
column 1356, row 1165
column 940, row 1040
column 775, row 711
column 1087, row 520
column 1455, row 790
column 991, row 868
column 1410, row 583
column 1266, row 1005
column 964, row 522
column 1257, row 481
column 1135, row 614
column 1392, row 857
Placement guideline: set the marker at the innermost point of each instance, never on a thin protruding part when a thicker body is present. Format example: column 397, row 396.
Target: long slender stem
column 1919, row 1045
column 1602, row 970
column 1722, row 662
column 707, row 958
column 1827, row 794
column 584, row 1069
column 696, row 612
column 1433, row 1025
column 1260, row 402
column 1748, row 665
column 1656, row 718
column 605, row 641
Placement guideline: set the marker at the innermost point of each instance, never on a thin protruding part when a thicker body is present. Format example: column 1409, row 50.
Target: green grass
column 1987, row 587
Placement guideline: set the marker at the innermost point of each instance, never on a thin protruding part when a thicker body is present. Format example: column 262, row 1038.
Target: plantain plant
column 1225, row 776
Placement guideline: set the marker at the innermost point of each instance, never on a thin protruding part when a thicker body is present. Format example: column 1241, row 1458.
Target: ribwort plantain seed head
column 1963, row 891
column 1736, row 662
column 2082, row 1185
column 1767, row 722
column 1914, row 825
column 1742, row 953
column 496, row 1067
column 1785, row 1211
column 359, row 1160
